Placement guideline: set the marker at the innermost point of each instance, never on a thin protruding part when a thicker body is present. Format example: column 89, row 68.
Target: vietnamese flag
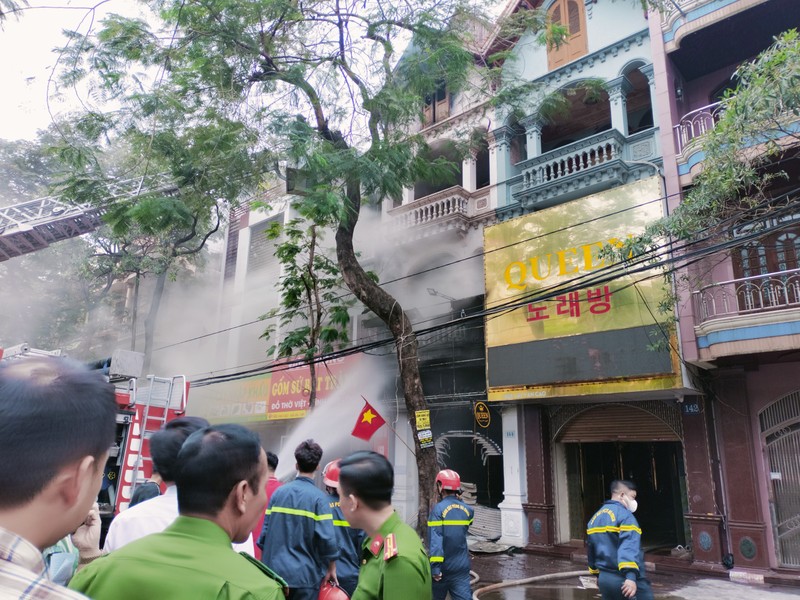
column 368, row 422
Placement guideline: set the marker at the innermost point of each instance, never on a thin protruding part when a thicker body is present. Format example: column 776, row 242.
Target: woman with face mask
column 614, row 546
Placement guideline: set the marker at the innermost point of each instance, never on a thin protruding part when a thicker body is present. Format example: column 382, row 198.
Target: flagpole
column 397, row 435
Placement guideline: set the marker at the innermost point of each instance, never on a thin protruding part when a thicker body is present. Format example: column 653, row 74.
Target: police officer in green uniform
column 394, row 564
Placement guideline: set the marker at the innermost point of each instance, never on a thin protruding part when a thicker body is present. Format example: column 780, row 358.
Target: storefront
column 587, row 373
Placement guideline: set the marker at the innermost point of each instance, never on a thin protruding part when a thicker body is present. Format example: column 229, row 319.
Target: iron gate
column 780, row 429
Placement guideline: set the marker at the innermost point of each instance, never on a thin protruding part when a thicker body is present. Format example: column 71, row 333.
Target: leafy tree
column 311, row 294
column 756, row 126
column 227, row 88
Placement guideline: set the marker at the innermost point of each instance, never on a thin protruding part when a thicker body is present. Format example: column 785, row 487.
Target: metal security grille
column 780, row 428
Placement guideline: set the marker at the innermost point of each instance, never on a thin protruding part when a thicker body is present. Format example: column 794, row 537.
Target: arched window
column 568, row 13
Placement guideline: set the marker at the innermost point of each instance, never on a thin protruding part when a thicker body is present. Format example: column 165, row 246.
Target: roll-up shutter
column 616, row 422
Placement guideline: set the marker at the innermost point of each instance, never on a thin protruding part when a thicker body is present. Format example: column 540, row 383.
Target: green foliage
column 313, row 314
column 757, row 122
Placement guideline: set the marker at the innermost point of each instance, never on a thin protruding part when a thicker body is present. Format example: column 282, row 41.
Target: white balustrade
column 572, row 159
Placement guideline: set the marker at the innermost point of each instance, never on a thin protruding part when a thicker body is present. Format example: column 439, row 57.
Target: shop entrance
column 655, row 467
column 627, row 441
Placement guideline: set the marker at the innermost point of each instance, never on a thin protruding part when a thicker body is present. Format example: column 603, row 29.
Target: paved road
column 493, row 568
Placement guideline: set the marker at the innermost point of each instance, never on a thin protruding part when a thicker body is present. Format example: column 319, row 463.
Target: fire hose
column 537, row 579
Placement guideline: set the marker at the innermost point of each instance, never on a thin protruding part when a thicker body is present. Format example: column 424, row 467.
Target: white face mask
column 631, row 504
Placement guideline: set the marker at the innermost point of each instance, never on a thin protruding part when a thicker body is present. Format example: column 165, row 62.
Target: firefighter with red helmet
column 348, row 539
column 447, row 539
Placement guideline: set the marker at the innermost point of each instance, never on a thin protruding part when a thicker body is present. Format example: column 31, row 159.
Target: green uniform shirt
column 394, row 565
column 189, row 560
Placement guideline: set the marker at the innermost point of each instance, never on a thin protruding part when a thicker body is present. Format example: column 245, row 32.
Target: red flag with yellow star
column 368, row 422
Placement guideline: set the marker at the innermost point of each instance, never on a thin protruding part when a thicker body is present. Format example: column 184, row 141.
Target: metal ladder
column 159, row 394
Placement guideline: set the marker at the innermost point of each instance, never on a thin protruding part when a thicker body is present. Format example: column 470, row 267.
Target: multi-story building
column 582, row 380
column 738, row 308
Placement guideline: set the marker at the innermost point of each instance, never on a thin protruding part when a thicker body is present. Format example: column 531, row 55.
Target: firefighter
column 298, row 540
column 447, row 539
column 615, row 550
column 348, row 539
column 394, row 565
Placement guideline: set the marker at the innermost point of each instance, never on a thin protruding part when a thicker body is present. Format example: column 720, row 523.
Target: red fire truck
column 145, row 405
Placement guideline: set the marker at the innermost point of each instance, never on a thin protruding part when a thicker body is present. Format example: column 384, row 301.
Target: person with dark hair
column 394, row 564
column 273, row 483
column 220, row 479
column 147, row 490
column 298, row 540
column 57, row 422
column 448, row 524
column 348, row 538
column 156, row 514
column 615, row 546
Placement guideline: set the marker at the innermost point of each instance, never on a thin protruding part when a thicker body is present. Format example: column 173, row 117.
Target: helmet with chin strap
column 330, row 474
column 449, row 479
column 331, row 591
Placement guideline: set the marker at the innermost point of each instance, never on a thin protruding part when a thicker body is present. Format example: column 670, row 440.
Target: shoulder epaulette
column 389, row 547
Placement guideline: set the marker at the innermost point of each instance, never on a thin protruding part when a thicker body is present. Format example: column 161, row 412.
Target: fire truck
column 144, row 406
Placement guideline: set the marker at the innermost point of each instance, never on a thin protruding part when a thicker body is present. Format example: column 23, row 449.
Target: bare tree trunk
column 390, row 312
column 312, row 392
column 135, row 311
column 150, row 321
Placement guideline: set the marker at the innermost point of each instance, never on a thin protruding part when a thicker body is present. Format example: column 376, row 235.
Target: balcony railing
column 448, row 208
column 573, row 159
column 747, row 295
column 695, row 123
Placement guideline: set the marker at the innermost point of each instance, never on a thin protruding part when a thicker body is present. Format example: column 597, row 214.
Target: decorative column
column 539, row 510
column 647, row 71
column 512, row 515
column 738, row 453
column 499, row 163
column 469, row 173
column 533, row 136
column 705, row 521
column 617, row 92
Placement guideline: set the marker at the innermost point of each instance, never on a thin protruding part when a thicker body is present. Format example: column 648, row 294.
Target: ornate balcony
column 748, row 315
column 693, row 125
column 453, row 209
column 592, row 164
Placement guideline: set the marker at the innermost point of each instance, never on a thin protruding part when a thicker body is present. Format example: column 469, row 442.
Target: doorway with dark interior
column 657, row 470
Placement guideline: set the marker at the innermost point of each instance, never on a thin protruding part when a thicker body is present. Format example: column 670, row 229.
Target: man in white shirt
column 57, row 421
column 156, row 514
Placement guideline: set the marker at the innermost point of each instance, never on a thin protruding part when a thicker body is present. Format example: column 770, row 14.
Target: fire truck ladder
column 22, row 350
column 162, row 395
column 35, row 224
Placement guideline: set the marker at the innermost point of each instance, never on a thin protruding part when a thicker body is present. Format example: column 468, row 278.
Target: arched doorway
column 780, row 431
column 636, row 441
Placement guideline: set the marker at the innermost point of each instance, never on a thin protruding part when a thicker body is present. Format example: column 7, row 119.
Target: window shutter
column 616, row 422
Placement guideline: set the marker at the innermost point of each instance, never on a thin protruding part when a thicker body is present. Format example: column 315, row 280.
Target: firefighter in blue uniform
column 615, row 548
column 348, row 538
column 298, row 539
column 447, row 539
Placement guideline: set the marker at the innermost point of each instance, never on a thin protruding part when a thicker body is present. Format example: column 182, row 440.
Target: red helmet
column 330, row 474
column 449, row 480
column 331, row 591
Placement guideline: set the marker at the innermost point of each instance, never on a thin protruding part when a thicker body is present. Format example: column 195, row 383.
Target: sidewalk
column 494, row 568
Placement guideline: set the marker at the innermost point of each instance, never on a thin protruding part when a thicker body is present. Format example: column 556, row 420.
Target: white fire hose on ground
column 537, row 579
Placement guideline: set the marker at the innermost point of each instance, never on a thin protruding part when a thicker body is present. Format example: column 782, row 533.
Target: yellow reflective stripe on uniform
column 594, row 571
column 606, row 529
column 338, row 523
column 442, row 523
column 630, row 528
column 628, row 565
column 435, row 523
column 300, row 513
column 437, row 559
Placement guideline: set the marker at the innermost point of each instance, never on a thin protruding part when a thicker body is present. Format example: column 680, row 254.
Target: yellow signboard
column 423, row 419
column 573, row 317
